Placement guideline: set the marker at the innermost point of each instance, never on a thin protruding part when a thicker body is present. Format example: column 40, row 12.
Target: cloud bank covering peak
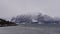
column 9, row 8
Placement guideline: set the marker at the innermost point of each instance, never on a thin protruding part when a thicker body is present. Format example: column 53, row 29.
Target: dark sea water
column 31, row 29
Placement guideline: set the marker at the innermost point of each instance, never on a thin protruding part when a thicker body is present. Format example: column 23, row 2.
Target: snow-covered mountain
column 40, row 18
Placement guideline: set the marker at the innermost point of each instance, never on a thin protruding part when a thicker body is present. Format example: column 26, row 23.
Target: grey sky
column 10, row 8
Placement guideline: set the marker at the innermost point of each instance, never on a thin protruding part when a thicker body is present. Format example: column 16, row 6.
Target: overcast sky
column 9, row 8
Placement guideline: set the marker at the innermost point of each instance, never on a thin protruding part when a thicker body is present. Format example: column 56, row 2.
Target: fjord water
column 31, row 29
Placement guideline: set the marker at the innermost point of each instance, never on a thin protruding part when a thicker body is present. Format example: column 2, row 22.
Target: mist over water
column 13, row 8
